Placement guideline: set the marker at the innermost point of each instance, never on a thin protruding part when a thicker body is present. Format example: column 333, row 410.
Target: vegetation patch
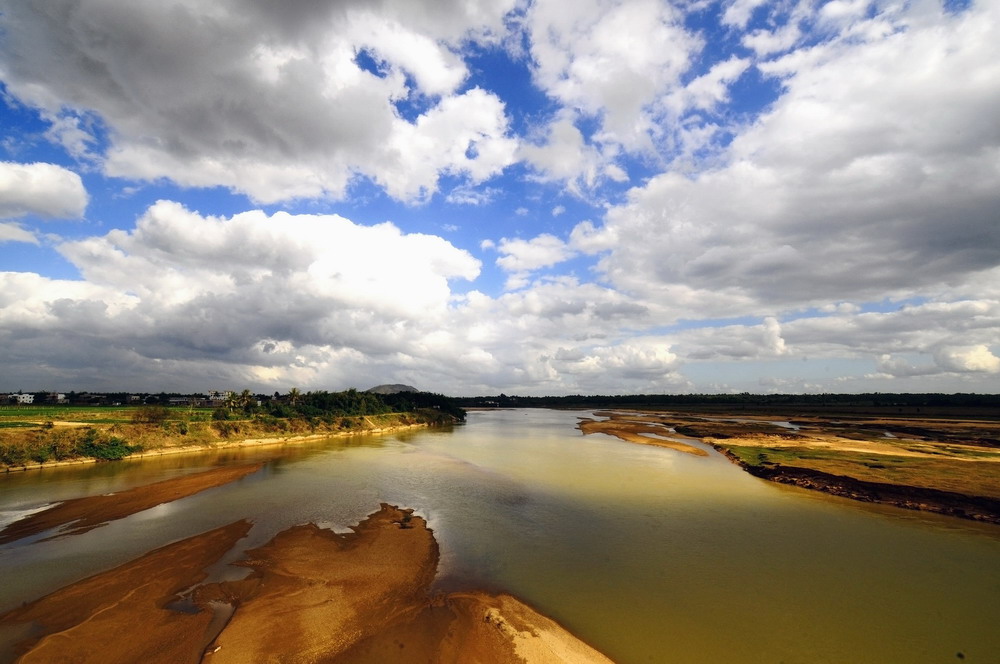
column 66, row 432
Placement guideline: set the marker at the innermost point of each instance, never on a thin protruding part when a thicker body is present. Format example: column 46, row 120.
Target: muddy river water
column 648, row 554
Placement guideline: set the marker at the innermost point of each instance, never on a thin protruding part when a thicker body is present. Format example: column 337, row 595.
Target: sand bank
column 87, row 513
column 636, row 430
column 120, row 615
column 947, row 466
column 312, row 596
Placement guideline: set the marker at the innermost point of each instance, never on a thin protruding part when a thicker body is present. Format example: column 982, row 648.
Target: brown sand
column 313, row 596
column 313, row 592
column 92, row 511
column 633, row 432
column 473, row 627
column 119, row 615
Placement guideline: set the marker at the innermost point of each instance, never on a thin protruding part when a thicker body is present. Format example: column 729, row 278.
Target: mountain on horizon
column 391, row 389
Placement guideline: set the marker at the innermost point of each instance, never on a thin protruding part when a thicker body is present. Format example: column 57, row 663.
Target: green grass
column 90, row 414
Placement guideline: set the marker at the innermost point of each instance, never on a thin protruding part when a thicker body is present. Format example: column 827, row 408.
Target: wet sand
column 312, row 596
column 90, row 512
column 627, row 428
column 119, row 615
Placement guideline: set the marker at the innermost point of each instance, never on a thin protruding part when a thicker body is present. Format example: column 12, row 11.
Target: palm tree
column 245, row 398
column 293, row 395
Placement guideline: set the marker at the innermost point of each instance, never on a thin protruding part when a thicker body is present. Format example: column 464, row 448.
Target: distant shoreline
column 950, row 503
column 944, row 466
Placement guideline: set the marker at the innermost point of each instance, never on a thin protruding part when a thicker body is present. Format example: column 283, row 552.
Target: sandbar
column 312, row 595
column 90, row 512
column 120, row 615
column 633, row 431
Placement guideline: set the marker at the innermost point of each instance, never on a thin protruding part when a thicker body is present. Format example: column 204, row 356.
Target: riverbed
column 646, row 553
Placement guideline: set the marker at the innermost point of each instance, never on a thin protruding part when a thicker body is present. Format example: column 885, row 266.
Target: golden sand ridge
column 313, row 595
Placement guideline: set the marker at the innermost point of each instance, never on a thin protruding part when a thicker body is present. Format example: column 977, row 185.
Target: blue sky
column 480, row 197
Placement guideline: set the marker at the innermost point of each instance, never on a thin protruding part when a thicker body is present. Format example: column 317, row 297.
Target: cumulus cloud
column 588, row 60
column 275, row 104
column 873, row 175
column 285, row 294
column 743, row 342
column 851, row 221
column 564, row 154
column 308, row 300
column 527, row 255
column 977, row 358
column 41, row 189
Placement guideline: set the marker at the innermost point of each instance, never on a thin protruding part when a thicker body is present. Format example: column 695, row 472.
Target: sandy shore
column 93, row 511
column 312, row 596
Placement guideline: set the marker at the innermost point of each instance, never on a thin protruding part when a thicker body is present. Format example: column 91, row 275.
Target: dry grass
column 948, row 454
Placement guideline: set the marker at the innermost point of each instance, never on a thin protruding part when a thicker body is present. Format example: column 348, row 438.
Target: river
column 648, row 554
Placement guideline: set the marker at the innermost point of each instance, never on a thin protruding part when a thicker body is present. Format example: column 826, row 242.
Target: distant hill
column 391, row 389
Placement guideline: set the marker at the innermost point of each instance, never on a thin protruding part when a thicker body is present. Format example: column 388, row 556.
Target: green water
column 648, row 554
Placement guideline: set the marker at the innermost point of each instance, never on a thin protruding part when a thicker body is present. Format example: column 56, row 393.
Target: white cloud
column 264, row 101
column 738, row 12
column 519, row 257
column 610, row 59
column 11, row 232
column 639, row 365
column 711, row 88
column 895, row 367
column 527, row 255
column 42, row 189
column 564, row 154
column 314, row 299
column 977, row 358
column 874, row 175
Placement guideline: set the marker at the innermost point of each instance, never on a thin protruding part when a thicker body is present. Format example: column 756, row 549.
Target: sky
column 476, row 197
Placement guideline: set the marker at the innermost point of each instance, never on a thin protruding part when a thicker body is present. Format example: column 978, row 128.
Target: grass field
column 40, row 414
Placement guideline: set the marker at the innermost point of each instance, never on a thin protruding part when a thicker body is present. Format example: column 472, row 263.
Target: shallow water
column 648, row 554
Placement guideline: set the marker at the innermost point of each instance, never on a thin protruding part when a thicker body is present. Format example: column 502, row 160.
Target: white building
column 22, row 398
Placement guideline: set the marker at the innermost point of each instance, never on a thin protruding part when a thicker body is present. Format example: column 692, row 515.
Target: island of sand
column 311, row 595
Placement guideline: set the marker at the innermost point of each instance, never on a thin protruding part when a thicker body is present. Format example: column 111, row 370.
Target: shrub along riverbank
column 62, row 434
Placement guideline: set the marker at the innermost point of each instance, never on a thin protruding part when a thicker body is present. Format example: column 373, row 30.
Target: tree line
column 348, row 403
column 741, row 400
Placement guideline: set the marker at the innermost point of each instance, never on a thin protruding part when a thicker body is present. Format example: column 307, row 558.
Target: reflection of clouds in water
column 161, row 511
column 8, row 517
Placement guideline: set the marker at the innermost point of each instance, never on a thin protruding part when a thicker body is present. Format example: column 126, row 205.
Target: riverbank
column 976, row 508
column 947, row 466
column 59, row 444
column 358, row 597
